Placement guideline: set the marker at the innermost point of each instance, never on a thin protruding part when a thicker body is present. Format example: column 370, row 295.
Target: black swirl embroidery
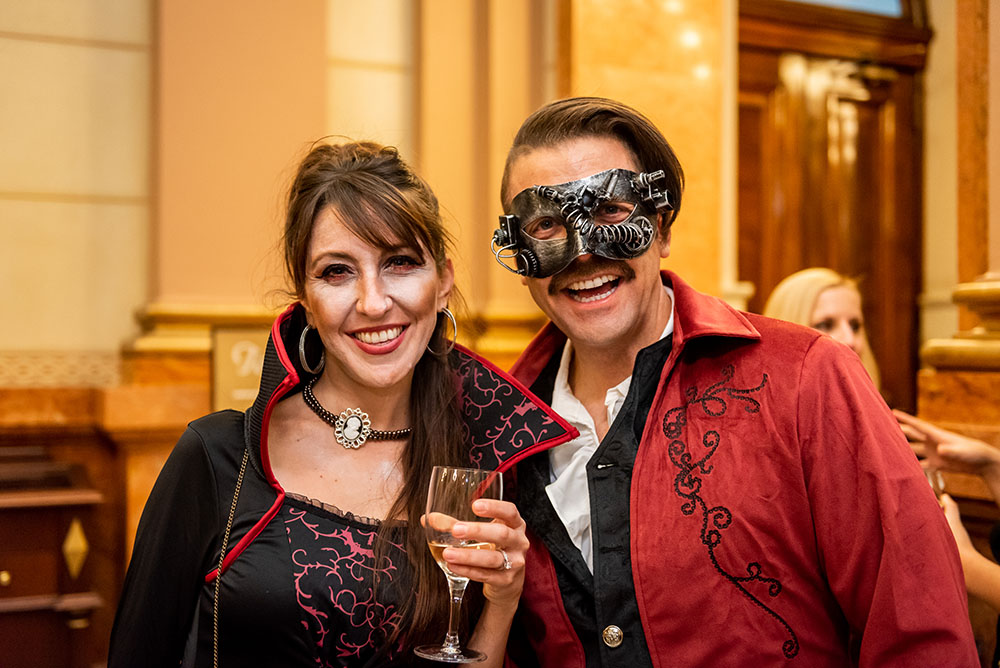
column 688, row 485
column 498, row 419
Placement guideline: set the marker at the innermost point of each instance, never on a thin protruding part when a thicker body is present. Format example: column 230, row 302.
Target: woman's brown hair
column 382, row 201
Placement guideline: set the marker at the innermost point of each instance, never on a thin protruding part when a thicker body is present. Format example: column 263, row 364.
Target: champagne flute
column 936, row 480
column 449, row 500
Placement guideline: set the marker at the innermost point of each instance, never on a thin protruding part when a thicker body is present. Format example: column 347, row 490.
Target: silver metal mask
column 612, row 214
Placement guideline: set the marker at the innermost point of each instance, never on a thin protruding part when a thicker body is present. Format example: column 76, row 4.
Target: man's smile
column 593, row 289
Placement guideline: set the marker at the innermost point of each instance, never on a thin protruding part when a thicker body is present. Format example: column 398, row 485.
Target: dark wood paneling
column 36, row 638
column 779, row 25
column 829, row 176
column 54, row 470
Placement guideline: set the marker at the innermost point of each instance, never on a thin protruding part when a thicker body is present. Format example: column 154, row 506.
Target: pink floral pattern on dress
column 333, row 569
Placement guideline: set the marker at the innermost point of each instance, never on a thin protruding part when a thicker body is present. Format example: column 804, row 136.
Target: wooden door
column 830, row 176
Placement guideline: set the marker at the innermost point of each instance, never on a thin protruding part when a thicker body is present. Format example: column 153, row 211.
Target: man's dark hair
column 577, row 117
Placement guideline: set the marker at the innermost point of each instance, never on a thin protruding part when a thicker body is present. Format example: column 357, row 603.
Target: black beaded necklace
column 352, row 428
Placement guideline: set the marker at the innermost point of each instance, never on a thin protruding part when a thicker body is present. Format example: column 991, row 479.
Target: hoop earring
column 454, row 328
column 302, row 353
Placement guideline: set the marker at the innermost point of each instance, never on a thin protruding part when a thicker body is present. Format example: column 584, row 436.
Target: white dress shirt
column 569, row 491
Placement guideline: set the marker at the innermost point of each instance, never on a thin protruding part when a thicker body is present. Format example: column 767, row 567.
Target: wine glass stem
column 456, row 586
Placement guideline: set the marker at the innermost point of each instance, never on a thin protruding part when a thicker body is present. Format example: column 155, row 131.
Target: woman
column 824, row 300
column 943, row 450
column 290, row 534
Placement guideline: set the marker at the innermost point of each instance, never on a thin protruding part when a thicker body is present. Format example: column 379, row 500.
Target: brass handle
column 78, row 623
column 5, row 578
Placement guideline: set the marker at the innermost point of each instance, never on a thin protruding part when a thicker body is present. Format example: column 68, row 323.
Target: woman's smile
column 381, row 340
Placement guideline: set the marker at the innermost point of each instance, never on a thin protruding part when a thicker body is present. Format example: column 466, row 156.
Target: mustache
column 581, row 269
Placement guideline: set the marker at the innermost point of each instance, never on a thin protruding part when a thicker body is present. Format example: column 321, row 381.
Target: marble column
column 959, row 384
column 238, row 95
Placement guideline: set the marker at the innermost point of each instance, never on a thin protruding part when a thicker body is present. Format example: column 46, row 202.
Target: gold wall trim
column 977, row 348
column 970, row 353
column 208, row 314
column 73, row 198
column 75, row 548
column 59, row 368
column 982, row 296
column 188, row 328
column 369, row 65
column 113, row 45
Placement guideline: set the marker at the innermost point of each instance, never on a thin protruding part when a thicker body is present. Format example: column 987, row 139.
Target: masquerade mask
column 611, row 214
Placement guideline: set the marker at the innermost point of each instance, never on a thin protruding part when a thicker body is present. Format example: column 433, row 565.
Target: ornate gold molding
column 179, row 328
column 188, row 328
column 961, row 354
column 737, row 293
column 59, row 368
column 983, row 297
column 75, row 548
column 979, row 347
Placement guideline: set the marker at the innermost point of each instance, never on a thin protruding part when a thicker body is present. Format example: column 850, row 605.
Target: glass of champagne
column 449, row 500
column 936, row 480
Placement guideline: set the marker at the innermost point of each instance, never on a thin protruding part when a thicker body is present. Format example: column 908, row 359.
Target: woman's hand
column 947, row 450
column 501, row 584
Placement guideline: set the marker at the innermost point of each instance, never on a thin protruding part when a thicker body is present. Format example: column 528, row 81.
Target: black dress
column 297, row 582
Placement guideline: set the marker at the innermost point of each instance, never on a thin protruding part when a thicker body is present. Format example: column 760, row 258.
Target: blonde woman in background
column 826, row 301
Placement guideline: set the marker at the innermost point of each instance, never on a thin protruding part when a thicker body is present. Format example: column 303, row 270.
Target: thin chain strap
column 222, row 556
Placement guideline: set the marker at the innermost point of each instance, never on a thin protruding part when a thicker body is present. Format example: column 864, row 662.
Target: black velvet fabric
column 606, row 597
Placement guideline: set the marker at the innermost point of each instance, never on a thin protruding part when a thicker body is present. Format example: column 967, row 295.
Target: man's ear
column 664, row 240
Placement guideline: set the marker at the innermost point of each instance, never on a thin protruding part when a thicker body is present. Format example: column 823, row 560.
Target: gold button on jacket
column 612, row 636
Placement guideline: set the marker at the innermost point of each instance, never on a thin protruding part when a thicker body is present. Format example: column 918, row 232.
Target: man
column 739, row 494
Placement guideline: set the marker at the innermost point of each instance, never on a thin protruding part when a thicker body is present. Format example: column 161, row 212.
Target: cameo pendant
column 353, row 428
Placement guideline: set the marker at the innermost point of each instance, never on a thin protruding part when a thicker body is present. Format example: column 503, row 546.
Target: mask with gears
column 612, row 214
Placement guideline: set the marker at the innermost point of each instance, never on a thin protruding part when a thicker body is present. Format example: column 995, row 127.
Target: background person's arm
column 948, row 451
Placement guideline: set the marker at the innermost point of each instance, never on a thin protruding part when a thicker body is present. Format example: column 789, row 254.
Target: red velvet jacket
column 778, row 516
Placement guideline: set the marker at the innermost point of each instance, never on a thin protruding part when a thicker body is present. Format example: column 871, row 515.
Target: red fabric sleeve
column 883, row 541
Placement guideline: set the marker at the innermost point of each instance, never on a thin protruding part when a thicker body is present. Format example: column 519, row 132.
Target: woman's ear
column 447, row 284
column 306, row 311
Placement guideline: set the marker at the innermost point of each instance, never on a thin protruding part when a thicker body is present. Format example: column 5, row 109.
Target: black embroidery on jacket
column 688, row 484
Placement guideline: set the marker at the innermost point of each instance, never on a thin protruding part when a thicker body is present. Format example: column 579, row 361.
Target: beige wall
column 74, row 186
column 483, row 67
column 146, row 171
column 665, row 60
column 673, row 61
column 240, row 96
column 370, row 82
column 939, row 316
